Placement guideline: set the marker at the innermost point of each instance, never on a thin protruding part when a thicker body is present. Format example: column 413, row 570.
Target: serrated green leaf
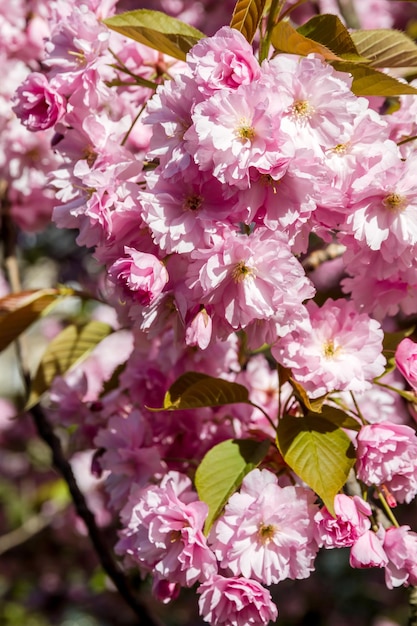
column 21, row 310
column 285, row 38
column 222, row 470
column 318, row 451
column 246, row 17
column 194, row 390
column 386, row 48
column 67, row 349
column 331, row 32
column 370, row 82
column 156, row 30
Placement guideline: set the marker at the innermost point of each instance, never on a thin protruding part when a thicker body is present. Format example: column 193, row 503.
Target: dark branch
column 111, row 568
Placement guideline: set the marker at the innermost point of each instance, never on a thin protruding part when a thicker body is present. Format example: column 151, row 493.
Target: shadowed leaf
column 330, row 31
column 386, row 48
column 156, row 30
column 247, row 16
column 286, row 39
column 194, row 390
column 19, row 311
column 68, row 348
column 222, row 470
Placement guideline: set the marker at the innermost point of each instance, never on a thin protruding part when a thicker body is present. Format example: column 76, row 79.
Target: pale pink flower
column 248, row 277
column 266, row 531
column 184, row 212
column 239, row 130
column 165, row 532
column 339, row 349
column 223, row 61
column 400, row 545
column 387, row 455
column 140, row 275
column 368, row 551
column 199, row 330
column 351, row 521
column 320, row 109
column 406, row 361
column 38, row 104
column 235, row 601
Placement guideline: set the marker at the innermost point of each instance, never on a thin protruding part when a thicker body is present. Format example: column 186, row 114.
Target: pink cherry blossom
column 351, row 521
column 368, row 551
column 38, row 105
column 165, row 532
column 235, row 601
column 400, row 545
column 239, row 130
column 266, row 531
column 406, row 361
column 142, row 275
column 338, row 349
column 387, row 455
column 223, row 61
column 247, row 277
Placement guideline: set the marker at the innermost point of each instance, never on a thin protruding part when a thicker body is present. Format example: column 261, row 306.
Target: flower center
column 302, row 110
column 395, row 202
column 193, row 203
column 175, row 536
column 330, row 351
column 245, row 130
column 241, row 271
column 268, row 181
column 341, row 148
column 266, row 532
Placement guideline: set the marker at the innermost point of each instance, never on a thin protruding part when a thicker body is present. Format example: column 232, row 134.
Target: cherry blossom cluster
column 202, row 187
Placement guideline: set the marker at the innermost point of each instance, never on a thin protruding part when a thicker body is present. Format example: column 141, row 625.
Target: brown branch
column 109, row 565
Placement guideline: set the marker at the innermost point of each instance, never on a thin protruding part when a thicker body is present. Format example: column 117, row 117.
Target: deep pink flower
column 165, row 532
column 351, row 521
column 235, row 602
column 368, row 551
column 400, row 545
column 387, row 454
column 38, row 104
column 140, row 275
column 406, row 361
column 223, row 61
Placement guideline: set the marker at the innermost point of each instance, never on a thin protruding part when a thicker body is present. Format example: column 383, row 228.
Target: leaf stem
column 387, row 509
column 272, row 19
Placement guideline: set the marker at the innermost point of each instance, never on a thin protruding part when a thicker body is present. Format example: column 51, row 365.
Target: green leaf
column 222, row 470
column 285, row 38
column 19, row 311
column 318, row 451
column 194, row 390
column 370, row 82
column 339, row 418
column 156, row 30
column 67, row 349
column 386, row 48
column 331, row 32
column 247, row 16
